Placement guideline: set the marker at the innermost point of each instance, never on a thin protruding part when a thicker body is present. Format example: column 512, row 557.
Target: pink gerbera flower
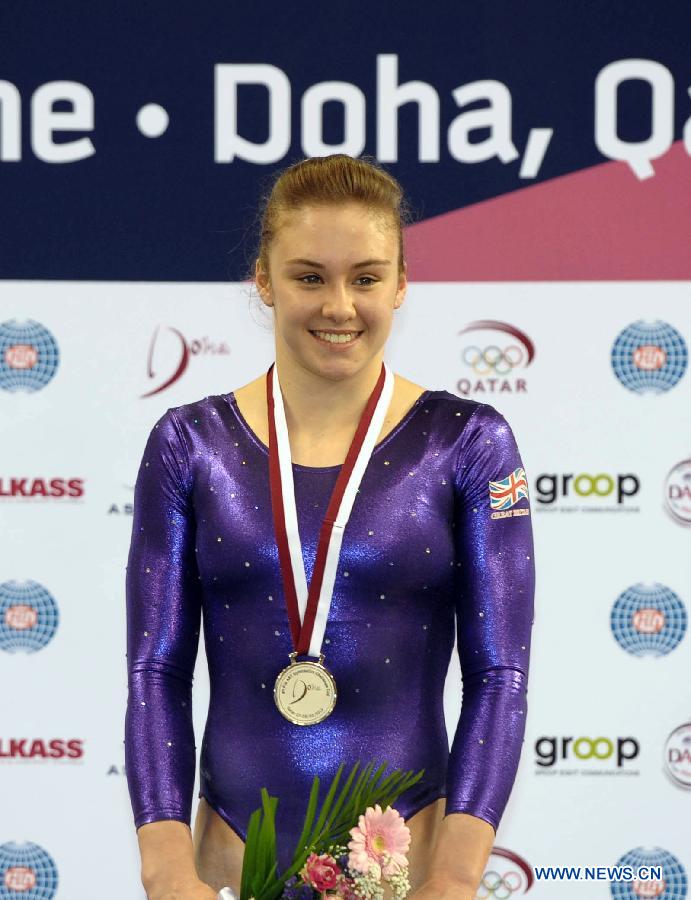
column 379, row 837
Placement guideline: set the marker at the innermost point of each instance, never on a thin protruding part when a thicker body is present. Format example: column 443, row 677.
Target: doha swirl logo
column 170, row 353
column 29, row 617
column 649, row 357
column 674, row 882
column 648, row 620
column 29, row 356
column 27, row 871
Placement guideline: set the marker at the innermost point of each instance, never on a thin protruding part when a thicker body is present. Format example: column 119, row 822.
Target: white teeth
column 336, row 338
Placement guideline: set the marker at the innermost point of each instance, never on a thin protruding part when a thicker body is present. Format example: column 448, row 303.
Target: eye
column 306, row 279
column 366, row 280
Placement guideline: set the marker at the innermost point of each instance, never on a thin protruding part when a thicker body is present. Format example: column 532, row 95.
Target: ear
column 261, row 279
column 402, row 286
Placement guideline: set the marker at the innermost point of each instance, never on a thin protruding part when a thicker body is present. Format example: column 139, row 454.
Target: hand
column 196, row 890
column 443, row 890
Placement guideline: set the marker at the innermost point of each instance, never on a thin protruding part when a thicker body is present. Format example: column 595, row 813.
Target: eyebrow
column 316, row 265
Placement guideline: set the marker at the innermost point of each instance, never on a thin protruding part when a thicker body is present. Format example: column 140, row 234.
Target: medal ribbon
column 308, row 610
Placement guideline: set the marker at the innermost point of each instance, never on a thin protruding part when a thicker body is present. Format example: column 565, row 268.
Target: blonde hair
column 334, row 179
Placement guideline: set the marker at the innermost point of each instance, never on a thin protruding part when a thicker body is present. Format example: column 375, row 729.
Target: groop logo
column 29, row 356
column 27, row 871
column 28, row 616
column 586, row 491
column 585, row 755
column 497, row 351
column 672, row 886
column 678, row 492
column 649, row 357
column 648, row 620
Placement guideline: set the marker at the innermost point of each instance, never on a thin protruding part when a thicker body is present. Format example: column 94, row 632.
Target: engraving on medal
column 305, row 692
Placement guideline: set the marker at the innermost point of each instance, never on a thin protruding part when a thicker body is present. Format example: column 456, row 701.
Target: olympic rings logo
column 493, row 359
column 499, row 886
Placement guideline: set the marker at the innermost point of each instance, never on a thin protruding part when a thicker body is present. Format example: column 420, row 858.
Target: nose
column 338, row 303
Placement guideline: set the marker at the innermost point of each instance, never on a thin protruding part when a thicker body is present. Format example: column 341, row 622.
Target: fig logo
column 21, row 616
column 27, row 871
column 29, row 356
column 678, row 492
column 672, row 885
column 648, row 620
column 492, row 353
column 649, row 357
column 28, row 616
column 20, row 878
column 678, row 755
column 174, row 351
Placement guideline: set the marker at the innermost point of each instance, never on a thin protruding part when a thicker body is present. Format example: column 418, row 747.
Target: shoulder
column 442, row 405
column 185, row 426
column 191, row 413
column 478, row 436
column 444, row 402
column 459, row 414
column 251, row 394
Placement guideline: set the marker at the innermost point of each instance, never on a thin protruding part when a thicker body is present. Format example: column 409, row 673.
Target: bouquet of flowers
column 349, row 849
column 378, row 850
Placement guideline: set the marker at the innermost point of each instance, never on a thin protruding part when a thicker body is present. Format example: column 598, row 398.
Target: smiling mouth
column 336, row 337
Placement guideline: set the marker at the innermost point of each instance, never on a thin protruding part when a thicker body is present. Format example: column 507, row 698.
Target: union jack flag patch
column 507, row 492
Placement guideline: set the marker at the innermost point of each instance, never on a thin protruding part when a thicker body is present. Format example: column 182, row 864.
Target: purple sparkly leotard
column 426, row 547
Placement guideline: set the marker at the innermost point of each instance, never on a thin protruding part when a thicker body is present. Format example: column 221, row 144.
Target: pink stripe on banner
column 598, row 224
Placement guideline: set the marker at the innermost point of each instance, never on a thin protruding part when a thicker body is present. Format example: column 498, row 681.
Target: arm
column 163, row 619
column 494, row 608
column 460, row 854
column 167, row 855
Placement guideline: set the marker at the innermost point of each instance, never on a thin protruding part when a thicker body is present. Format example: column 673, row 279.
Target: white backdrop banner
column 591, row 376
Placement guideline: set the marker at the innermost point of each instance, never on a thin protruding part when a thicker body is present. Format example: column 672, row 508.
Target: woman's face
column 333, row 270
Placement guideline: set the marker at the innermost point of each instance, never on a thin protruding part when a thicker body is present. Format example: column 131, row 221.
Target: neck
column 316, row 406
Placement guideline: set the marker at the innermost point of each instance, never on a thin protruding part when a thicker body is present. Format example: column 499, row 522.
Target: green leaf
column 326, row 806
column 309, row 815
column 341, row 799
column 249, row 858
column 266, row 845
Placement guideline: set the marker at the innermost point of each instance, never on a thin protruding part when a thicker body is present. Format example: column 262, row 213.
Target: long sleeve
column 163, row 618
column 495, row 583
